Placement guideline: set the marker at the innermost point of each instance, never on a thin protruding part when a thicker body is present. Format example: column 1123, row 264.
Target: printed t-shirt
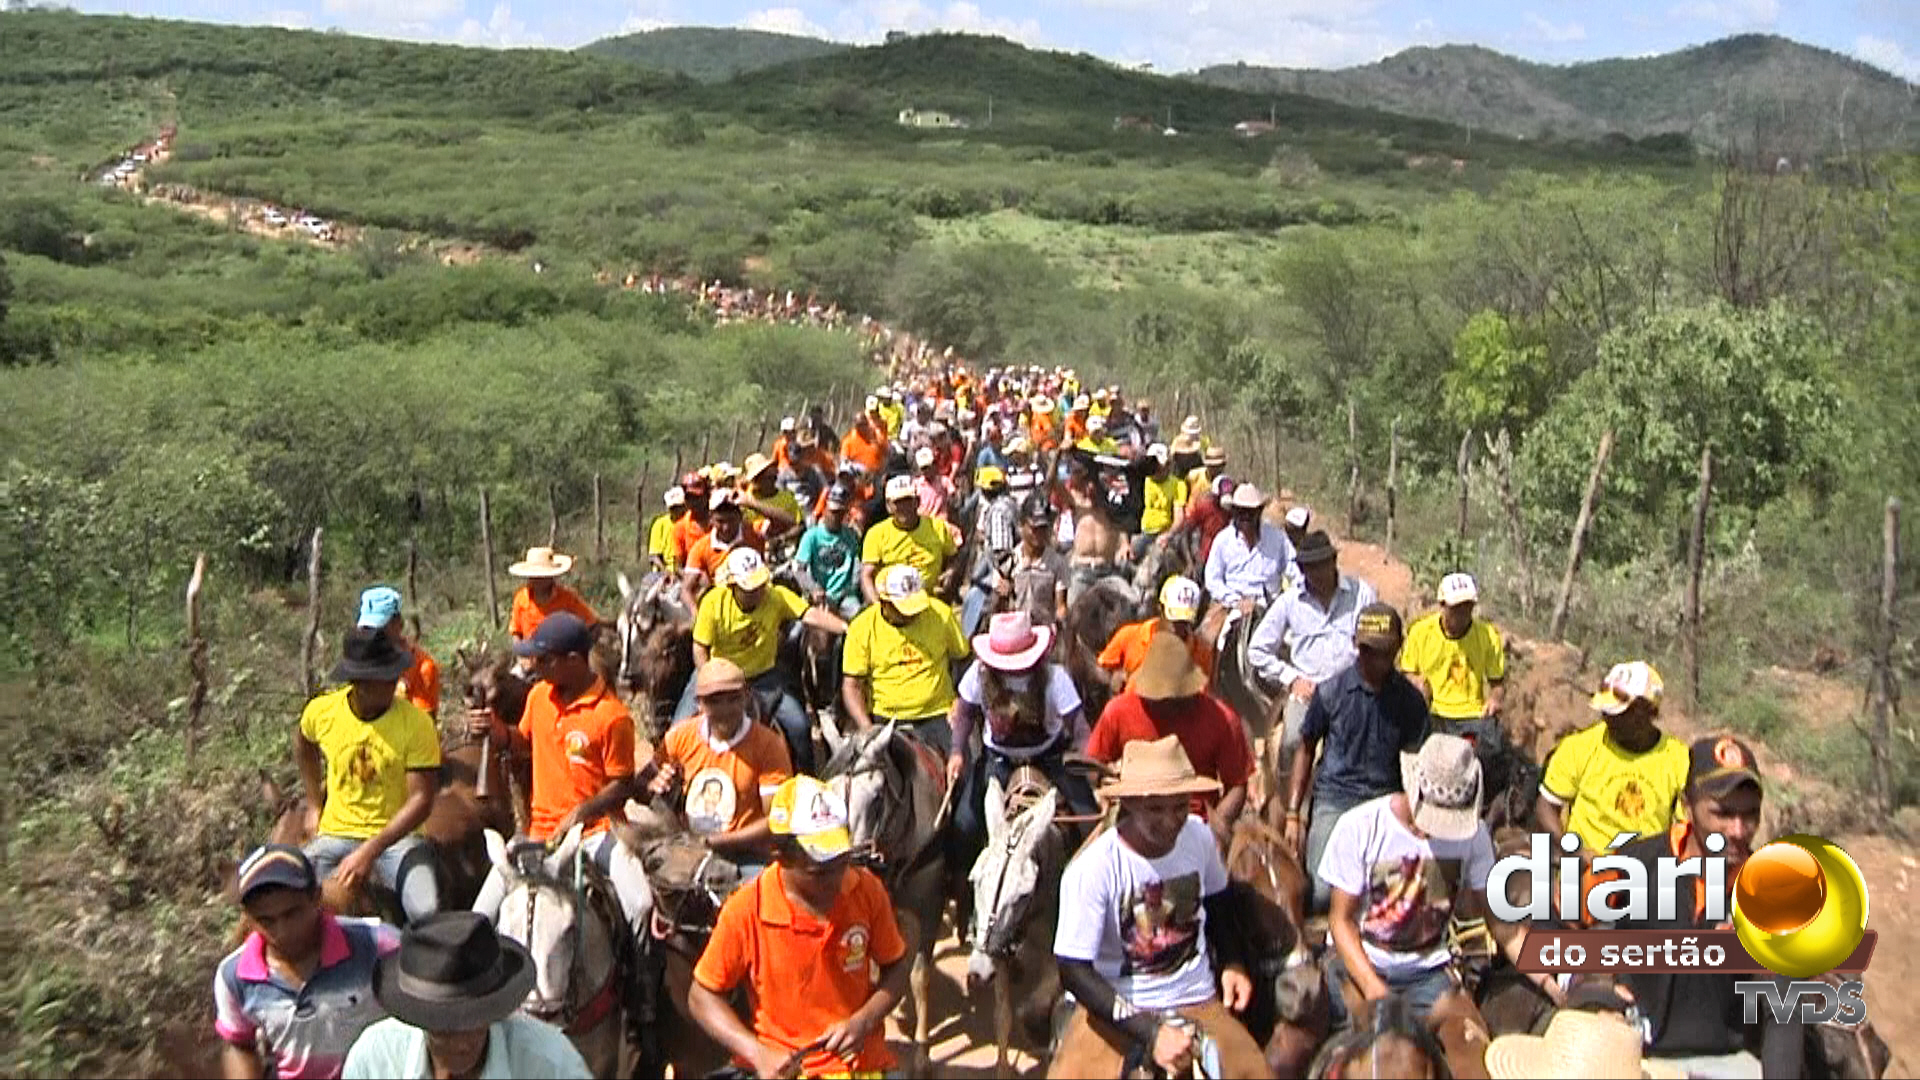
column 367, row 760
column 1613, row 791
column 728, row 783
column 1140, row 921
column 578, row 747
column 1128, row 648
column 710, row 552
column 895, row 416
column 1211, row 735
column 421, row 683
column 527, row 613
column 1063, row 700
column 1457, row 671
column 660, row 541
column 832, row 559
column 805, row 974
column 1163, row 496
column 926, row 548
column 1406, row 884
column 911, row 666
column 750, row 639
column 304, row 1032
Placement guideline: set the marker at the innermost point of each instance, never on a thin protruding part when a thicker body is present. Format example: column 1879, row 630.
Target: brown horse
column 1386, row 1039
column 1289, row 1014
column 654, row 632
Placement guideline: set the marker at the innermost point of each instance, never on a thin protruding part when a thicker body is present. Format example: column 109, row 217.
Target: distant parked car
column 139, row 158
column 274, row 217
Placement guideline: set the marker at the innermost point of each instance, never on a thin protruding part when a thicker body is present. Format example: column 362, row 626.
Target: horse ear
column 626, row 585
column 996, row 808
column 563, row 855
column 497, row 853
column 830, row 731
column 1043, row 812
column 876, row 744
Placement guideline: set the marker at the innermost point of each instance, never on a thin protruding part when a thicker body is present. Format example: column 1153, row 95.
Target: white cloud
column 784, row 20
column 1557, row 34
column 645, row 15
column 290, row 19
column 394, row 11
column 1730, row 14
column 1887, row 54
column 501, row 30
column 870, row 20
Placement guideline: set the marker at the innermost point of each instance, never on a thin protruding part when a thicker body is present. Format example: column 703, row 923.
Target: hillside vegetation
column 710, row 53
column 176, row 386
column 1714, row 93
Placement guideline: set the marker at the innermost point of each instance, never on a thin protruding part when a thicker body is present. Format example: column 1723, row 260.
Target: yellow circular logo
column 1800, row 906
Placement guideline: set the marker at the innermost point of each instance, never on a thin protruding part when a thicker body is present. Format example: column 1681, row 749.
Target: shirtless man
column 1098, row 543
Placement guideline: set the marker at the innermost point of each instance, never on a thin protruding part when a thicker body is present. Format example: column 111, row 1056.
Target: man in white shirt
column 1247, row 566
column 1306, row 637
column 1139, row 907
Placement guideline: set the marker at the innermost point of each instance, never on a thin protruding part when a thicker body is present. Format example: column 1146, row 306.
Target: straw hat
column 757, row 463
column 1577, row 1045
column 1160, row 767
column 1012, row 642
column 1442, row 783
column 1168, row 671
column 1215, row 455
column 541, row 562
column 1246, row 497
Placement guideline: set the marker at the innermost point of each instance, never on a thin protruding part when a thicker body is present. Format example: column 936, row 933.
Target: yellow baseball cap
column 1180, row 599
column 902, row 586
column 812, row 813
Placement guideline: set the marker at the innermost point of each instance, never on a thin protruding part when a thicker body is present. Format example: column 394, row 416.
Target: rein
column 574, row 1015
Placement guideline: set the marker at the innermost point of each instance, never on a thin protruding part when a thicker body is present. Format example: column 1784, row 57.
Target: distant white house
column 1253, row 129
column 930, row 118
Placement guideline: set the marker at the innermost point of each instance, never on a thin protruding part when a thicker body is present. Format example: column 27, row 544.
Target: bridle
column 580, row 1011
column 1026, row 787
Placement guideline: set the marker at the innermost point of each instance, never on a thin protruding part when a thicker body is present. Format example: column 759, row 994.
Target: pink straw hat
column 1012, row 642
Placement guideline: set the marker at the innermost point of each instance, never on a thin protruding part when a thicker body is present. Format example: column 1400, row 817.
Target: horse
column 573, row 930
column 1234, row 680
column 1388, row 1040
column 1092, row 620
column 895, row 788
column 1016, row 908
column 1288, row 1015
column 655, row 633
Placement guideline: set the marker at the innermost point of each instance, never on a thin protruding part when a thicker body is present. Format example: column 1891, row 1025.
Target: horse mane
column 1393, row 1017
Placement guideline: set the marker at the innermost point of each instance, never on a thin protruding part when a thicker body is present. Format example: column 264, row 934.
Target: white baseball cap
column 744, row 567
column 1458, row 589
column 786, row 423
column 676, row 496
column 901, row 487
column 1180, row 599
column 1158, row 451
column 1626, row 683
column 903, row 587
column 1299, row 516
column 923, row 457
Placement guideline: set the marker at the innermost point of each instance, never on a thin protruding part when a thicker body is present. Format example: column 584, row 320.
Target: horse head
column 653, row 633
column 1387, row 1039
column 545, row 911
column 864, row 769
column 493, row 682
column 1017, row 860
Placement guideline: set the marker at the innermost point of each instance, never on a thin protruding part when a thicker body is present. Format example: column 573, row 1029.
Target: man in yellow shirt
column 1165, row 501
column 660, row 547
column 770, row 508
column 1458, row 662
column 925, row 543
column 904, row 648
column 370, row 763
column 891, row 412
column 742, row 620
column 1623, row 775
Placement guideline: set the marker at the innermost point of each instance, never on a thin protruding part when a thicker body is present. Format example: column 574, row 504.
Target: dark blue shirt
column 1362, row 734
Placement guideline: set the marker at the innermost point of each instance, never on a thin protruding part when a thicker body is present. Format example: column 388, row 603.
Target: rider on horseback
column 903, row 649
column 725, row 766
column 1313, row 625
column 1179, row 616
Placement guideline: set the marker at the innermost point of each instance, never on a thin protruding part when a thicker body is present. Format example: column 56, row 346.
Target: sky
column 1172, row 35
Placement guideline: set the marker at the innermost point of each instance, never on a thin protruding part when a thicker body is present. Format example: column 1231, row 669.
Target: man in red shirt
column 1168, row 697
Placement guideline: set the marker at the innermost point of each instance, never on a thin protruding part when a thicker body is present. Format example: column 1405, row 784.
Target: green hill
column 710, row 53
column 1714, row 93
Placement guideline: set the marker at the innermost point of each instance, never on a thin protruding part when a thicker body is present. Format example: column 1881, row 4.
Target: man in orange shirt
column 1179, row 614
column 729, row 530
column 804, row 937
column 581, row 740
column 726, row 766
column 697, row 520
column 866, row 441
column 543, row 595
column 380, row 610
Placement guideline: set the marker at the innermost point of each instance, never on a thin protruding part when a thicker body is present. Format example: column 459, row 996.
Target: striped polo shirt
column 304, row 1032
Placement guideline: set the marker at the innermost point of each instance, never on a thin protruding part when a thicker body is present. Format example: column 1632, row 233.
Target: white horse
column 1016, row 908
column 572, row 940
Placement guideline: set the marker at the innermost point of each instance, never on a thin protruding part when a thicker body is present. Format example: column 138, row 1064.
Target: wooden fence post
column 414, row 600
column 1353, row 465
column 1460, row 469
column 1501, row 450
column 1393, row 478
column 1559, row 620
column 640, row 521
column 733, row 443
column 760, row 436
column 599, row 522
column 553, row 515
column 706, row 448
column 1696, row 562
column 486, row 548
column 308, row 681
column 196, row 659
column 1885, row 688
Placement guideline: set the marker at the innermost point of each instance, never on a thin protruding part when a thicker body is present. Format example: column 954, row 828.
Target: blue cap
column 378, row 606
column 559, row 634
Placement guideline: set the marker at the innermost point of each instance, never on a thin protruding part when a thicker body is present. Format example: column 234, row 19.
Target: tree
column 977, row 297
column 1494, row 382
column 6, row 289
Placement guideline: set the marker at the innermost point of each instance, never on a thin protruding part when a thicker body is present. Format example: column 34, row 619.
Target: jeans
column 1736, row 1066
column 970, row 802
column 406, row 868
column 973, row 609
column 777, row 705
column 623, row 870
column 1422, row 988
column 1327, row 809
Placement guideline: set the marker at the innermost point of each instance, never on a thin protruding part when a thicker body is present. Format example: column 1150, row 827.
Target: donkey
column 575, row 940
column 1016, row 909
column 896, row 791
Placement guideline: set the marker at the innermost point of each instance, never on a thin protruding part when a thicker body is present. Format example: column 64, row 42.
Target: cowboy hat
column 1316, row 547
column 1160, row 767
column 1246, row 497
column 1577, row 1044
column 369, row 655
column 1442, row 783
column 453, row 972
column 757, row 463
column 1215, row 455
column 1012, row 642
column 1168, row 671
column 541, row 562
